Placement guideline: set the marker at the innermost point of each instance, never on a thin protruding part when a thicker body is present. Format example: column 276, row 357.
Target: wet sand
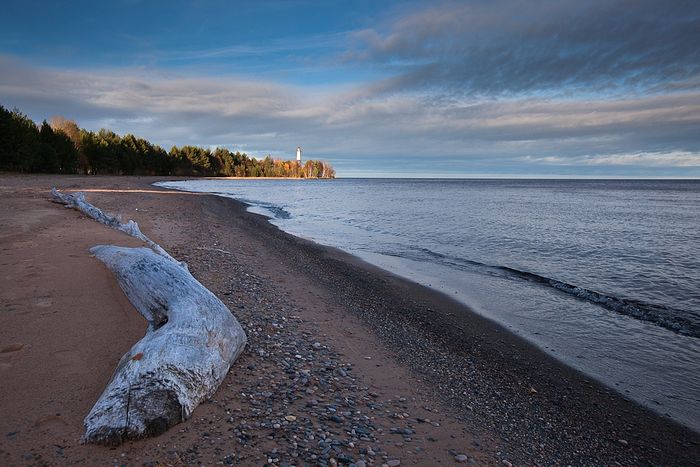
column 369, row 366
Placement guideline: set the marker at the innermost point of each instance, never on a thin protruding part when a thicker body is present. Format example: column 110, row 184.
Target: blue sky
column 445, row 88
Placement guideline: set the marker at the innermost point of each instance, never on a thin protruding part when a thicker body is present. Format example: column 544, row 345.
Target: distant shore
column 253, row 178
column 358, row 364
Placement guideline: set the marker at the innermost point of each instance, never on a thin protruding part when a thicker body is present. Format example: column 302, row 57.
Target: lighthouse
column 299, row 154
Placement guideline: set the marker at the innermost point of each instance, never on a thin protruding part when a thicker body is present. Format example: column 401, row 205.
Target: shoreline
column 488, row 385
column 583, row 343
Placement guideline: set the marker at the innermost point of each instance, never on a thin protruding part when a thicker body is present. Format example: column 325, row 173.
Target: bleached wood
column 191, row 342
column 77, row 201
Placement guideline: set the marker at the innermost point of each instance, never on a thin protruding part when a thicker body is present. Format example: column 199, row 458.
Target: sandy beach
column 345, row 362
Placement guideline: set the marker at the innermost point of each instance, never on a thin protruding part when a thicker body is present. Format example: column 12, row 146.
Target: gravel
column 294, row 399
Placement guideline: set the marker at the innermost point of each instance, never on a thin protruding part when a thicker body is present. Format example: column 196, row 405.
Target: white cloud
column 644, row 159
column 363, row 120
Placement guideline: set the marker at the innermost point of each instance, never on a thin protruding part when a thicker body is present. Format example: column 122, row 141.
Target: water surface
column 604, row 275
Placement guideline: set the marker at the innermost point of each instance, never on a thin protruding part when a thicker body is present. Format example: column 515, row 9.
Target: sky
column 494, row 88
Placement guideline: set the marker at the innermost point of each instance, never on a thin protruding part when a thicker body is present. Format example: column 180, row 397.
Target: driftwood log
column 191, row 342
column 77, row 201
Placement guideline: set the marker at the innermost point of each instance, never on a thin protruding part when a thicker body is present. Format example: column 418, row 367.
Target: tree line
column 61, row 146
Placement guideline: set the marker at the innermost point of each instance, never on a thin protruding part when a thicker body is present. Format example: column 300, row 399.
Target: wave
column 277, row 212
column 676, row 320
column 270, row 210
column 669, row 318
column 680, row 321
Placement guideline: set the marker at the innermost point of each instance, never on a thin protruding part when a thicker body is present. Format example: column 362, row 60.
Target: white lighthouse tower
column 299, row 154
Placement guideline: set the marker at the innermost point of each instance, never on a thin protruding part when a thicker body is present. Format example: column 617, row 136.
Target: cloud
column 516, row 46
column 420, row 127
column 288, row 45
column 643, row 159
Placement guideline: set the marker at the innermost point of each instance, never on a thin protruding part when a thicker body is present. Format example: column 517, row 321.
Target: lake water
column 604, row 275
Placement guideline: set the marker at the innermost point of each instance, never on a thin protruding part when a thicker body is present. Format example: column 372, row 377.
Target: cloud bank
column 495, row 87
column 515, row 46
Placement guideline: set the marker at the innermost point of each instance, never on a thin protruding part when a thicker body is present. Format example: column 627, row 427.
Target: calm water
column 605, row 275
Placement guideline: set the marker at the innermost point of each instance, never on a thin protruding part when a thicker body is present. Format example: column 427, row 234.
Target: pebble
column 292, row 372
column 332, row 424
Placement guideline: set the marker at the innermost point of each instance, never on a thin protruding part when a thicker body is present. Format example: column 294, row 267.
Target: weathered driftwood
column 77, row 201
column 191, row 342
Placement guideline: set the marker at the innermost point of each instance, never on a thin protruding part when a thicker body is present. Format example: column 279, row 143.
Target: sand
column 335, row 343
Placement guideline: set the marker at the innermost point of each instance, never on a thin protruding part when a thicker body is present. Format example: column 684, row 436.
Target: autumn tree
column 72, row 131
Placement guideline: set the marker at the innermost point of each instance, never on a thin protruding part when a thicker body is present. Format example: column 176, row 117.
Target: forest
column 61, row 146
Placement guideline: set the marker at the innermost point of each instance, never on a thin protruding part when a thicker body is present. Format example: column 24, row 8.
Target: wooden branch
column 77, row 201
column 191, row 342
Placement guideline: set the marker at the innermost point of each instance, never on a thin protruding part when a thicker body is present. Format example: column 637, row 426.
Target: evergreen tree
column 62, row 147
column 47, row 158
